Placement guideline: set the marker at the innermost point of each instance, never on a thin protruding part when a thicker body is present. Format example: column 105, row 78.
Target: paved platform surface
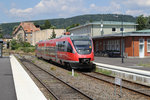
column 134, row 63
column 25, row 88
column 7, row 89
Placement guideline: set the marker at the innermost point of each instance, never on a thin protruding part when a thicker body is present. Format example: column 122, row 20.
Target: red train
column 73, row 51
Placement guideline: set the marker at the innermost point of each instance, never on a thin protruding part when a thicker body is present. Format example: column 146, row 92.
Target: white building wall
column 82, row 30
column 45, row 34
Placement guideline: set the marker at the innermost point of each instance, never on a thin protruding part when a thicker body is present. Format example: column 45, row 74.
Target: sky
column 25, row 10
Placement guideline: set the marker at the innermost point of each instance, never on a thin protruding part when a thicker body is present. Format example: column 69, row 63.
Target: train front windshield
column 82, row 44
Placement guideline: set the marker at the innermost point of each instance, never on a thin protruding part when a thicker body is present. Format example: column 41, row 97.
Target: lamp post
column 122, row 53
column 122, row 57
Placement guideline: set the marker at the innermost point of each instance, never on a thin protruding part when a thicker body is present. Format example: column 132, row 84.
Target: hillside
column 65, row 22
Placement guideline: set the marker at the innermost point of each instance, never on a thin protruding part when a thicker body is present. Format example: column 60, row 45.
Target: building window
column 148, row 45
column 114, row 29
column 121, row 29
column 96, row 46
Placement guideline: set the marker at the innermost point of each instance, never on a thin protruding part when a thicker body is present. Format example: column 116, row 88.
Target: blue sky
column 24, row 10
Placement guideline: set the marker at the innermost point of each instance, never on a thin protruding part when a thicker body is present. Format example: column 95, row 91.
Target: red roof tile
column 28, row 27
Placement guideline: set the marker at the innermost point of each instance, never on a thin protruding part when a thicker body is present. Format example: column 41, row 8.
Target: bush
column 26, row 49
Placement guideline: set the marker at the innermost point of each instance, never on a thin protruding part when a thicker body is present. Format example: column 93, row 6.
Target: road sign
column 118, row 81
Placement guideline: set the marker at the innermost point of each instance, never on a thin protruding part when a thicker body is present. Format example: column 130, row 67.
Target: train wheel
column 68, row 66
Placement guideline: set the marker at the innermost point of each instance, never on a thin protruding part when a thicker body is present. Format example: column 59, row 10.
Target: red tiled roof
column 28, row 27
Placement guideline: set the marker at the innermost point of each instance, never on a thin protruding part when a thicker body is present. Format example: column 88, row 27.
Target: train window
column 36, row 46
column 61, row 46
column 69, row 48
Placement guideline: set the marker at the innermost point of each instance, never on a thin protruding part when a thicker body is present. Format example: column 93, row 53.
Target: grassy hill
column 65, row 22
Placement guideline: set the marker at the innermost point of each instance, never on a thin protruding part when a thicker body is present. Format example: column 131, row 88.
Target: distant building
column 101, row 28
column 46, row 34
column 6, row 41
column 24, row 31
column 135, row 44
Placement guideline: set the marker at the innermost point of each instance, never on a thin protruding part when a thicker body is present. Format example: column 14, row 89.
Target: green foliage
column 53, row 33
column 71, row 26
column 8, row 27
column 141, row 21
column 148, row 23
column 14, row 45
column 1, row 35
column 46, row 25
column 27, row 49
column 15, row 27
column 103, row 71
column 19, row 45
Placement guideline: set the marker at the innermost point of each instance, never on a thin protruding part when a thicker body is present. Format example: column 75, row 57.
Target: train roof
column 73, row 37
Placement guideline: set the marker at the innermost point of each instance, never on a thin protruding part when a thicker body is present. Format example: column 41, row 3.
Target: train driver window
column 69, row 48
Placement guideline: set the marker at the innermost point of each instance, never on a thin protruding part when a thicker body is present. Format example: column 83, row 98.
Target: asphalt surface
column 135, row 63
column 7, row 89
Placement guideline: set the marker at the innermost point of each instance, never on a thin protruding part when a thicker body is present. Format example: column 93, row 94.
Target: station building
column 135, row 44
column 107, row 36
column 100, row 28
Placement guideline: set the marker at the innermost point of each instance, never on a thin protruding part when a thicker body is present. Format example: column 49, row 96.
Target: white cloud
column 67, row 8
column 111, row 8
column 59, row 7
column 140, row 3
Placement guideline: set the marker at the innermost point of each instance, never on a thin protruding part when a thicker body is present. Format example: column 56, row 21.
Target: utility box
column 1, row 48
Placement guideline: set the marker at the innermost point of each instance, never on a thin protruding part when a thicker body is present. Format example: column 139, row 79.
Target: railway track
column 58, row 88
column 131, row 86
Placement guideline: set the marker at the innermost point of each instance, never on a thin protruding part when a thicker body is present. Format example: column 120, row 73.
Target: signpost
column 118, row 81
column 72, row 72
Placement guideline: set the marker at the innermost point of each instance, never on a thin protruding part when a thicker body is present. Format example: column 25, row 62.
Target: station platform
column 134, row 63
column 15, row 83
column 7, row 88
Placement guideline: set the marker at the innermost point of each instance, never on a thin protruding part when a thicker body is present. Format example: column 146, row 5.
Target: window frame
column 148, row 43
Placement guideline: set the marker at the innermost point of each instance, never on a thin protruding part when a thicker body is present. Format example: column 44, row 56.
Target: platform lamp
column 122, row 54
column 122, row 57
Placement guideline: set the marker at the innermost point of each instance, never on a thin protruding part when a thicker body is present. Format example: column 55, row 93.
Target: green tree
column 53, row 33
column 1, row 34
column 14, row 44
column 147, row 22
column 46, row 25
column 141, row 21
column 71, row 26
column 15, row 27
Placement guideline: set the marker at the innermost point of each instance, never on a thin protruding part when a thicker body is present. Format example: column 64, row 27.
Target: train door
column 141, row 48
column 56, row 49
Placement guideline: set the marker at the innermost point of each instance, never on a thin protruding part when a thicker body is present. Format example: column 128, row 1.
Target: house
column 24, row 31
column 45, row 34
column 135, row 44
column 100, row 28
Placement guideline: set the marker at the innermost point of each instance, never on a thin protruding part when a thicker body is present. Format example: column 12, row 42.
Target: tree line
column 66, row 23
column 143, row 22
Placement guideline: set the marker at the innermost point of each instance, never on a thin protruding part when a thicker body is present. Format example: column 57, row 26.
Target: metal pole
column 122, row 42
column 72, row 72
